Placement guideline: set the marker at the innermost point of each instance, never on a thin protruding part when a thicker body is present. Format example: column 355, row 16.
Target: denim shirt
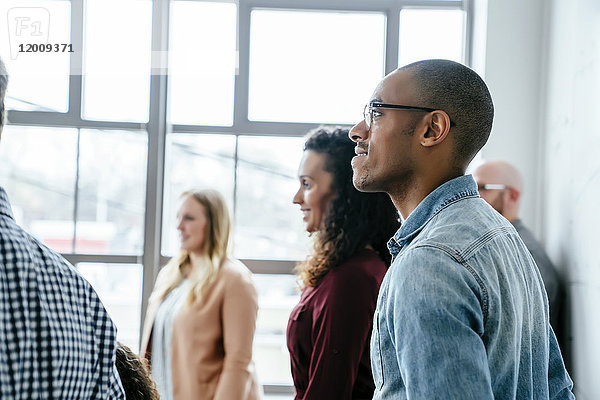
column 462, row 312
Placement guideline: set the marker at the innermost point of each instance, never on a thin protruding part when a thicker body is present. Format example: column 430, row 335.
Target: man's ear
column 514, row 194
column 438, row 126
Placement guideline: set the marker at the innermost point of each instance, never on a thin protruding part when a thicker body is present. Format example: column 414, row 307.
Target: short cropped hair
column 3, row 84
column 459, row 91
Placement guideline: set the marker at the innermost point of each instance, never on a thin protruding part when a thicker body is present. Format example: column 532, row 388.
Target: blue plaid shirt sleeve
column 56, row 339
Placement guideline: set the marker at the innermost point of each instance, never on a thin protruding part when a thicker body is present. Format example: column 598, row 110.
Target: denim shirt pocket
column 376, row 355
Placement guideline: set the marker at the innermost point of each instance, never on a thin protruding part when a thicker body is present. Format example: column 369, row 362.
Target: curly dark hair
column 354, row 220
column 135, row 375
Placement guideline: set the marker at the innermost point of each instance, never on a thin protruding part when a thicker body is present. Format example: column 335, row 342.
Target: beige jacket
column 212, row 340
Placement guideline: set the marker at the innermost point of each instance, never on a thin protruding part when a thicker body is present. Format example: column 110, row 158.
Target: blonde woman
column 201, row 315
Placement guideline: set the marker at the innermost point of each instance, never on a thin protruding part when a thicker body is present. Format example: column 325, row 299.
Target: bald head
column 499, row 172
column 501, row 185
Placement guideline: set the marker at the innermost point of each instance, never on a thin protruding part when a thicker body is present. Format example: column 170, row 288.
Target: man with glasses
column 56, row 339
column 461, row 312
column 501, row 185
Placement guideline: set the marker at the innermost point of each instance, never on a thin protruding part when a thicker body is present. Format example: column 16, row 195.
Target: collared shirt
column 462, row 312
column 56, row 339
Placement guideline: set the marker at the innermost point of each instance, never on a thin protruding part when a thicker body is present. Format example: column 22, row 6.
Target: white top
column 161, row 338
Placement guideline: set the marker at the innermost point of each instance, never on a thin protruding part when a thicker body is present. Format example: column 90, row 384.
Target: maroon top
column 329, row 331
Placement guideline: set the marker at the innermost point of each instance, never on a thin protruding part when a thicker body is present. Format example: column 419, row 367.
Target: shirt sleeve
column 240, row 308
column 341, row 330
column 436, row 319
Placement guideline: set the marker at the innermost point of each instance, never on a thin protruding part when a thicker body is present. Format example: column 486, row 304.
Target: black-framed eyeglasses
column 368, row 110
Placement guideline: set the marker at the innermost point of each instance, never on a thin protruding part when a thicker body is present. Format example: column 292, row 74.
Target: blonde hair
column 214, row 252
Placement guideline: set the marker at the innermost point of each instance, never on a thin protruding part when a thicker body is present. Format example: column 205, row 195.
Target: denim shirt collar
column 445, row 194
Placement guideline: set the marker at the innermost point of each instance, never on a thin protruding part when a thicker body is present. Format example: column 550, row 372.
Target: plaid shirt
column 56, row 339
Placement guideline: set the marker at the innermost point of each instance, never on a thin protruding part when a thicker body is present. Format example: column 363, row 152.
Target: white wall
column 543, row 68
column 572, row 173
column 513, row 62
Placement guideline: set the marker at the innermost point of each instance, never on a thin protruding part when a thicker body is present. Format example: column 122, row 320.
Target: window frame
column 158, row 127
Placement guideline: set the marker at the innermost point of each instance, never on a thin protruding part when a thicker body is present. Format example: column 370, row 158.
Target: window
column 30, row 22
column 304, row 64
column 38, row 173
column 429, row 33
column 111, row 192
column 119, row 287
column 203, row 62
column 267, row 224
column 161, row 97
column 117, row 60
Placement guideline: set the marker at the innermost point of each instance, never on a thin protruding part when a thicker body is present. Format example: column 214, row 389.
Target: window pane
column 112, row 192
column 38, row 81
column 38, row 173
column 267, row 224
column 313, row 66
column 429, row 33
column 119, row 287
column 277, row 296
column 202, row 62
column 117, row 60
column 195, row 161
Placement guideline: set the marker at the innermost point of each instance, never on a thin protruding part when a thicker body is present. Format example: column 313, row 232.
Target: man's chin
column 362, row 184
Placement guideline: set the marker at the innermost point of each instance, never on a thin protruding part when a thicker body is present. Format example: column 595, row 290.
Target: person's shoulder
column 234, row 267
column 463, row 223
column 525, row 234
column 473, row 211
column 421, row 264
column 233, row 270
column 364, row 269
column 29, row 251
column 236, row 281
column 364, row 262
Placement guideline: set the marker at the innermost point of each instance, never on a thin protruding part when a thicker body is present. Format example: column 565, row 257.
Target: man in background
column 501, row 185
column 56, row 339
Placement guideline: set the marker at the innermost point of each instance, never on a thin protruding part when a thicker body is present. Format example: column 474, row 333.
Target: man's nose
column 359, row 132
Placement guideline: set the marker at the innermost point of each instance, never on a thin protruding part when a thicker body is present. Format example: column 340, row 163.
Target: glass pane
column 112, row 192
column 39, row 81
column 277, row 296
column 116, row 84
column 195, row 161
column 313, row 66
column 38, row 173
column 119, row 287
column 427, row 33
column 267, row 181
column 202, row 62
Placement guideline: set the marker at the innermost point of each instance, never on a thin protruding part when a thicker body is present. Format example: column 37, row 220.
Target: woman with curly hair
column 329, row 330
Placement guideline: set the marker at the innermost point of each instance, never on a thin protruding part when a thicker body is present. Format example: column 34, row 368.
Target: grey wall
column 542, row 64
